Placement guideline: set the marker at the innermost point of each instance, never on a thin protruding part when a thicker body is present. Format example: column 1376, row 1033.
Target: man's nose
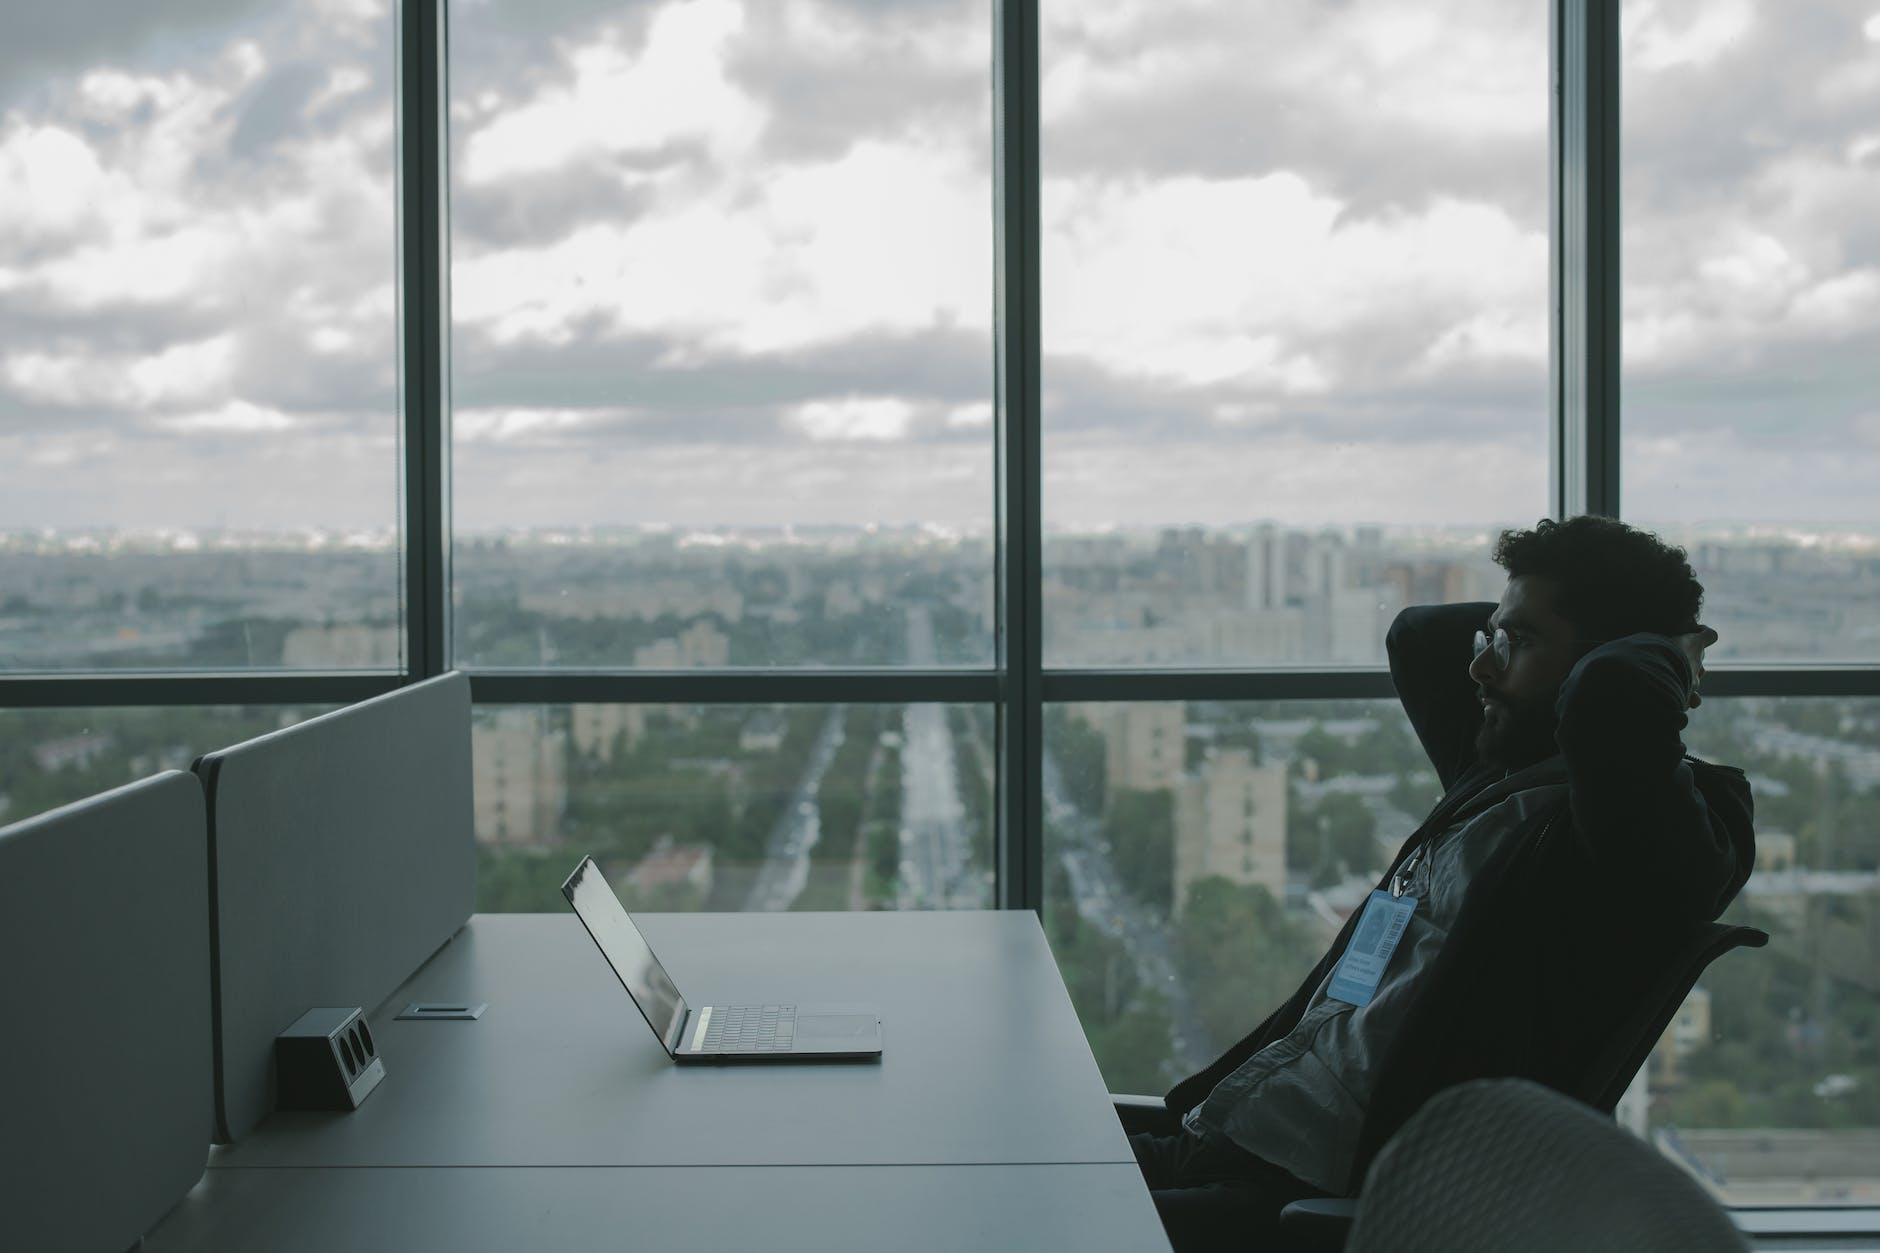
column 1482, row 669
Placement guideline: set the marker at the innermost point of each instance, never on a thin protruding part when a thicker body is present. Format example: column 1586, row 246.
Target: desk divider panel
column 104, row 928
column 342, row 855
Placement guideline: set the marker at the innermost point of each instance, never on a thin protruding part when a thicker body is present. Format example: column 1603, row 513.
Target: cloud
column 1298, row 477
column 1840, row 305
column 970, row 417
column 1676, row 479
column 1663, row 34
column 1268, row 283
column 620, row 102
column 727, row 260
column 687, row 485
column 940, row 368
column 237, row 417
column 830, row 75
column 882, row 238
column 53, row 40
column 53, row 178
column 180, row 373
column 1374, row 104
column 275, row 109
column 876, row 418
column 501, row 426
column 197, row 260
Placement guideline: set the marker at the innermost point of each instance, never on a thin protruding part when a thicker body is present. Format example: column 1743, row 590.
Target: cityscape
column 1200, row 855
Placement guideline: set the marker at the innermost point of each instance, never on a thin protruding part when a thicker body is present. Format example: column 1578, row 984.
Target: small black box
column 326, row 1060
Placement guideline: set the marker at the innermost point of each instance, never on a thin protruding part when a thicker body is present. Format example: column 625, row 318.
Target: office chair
column 1323, row 1226
column 1499, row 1164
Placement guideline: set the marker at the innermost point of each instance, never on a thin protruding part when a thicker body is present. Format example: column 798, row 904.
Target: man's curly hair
column 1613, row 579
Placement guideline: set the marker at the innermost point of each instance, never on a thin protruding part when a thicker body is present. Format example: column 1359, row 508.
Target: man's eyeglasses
column 1504, row 646
column 1499, row 641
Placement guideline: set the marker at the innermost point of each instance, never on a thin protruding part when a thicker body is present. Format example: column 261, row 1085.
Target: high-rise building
column 598, row 729
column 1230, row 820
column 1145, row 743
column 521, row 777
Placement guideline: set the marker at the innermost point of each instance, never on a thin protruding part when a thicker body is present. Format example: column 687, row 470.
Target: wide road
column 1105, row 903
column 786, row 853
column 936, row 869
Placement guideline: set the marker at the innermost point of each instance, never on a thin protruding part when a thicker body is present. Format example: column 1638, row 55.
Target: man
column 1520, row 927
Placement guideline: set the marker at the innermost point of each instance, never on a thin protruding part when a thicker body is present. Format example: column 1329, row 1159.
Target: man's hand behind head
column 1694, row 645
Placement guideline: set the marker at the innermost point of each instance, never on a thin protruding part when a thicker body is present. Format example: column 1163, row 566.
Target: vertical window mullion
column 1020, row 845
column 423, row 335
column 1585, row 263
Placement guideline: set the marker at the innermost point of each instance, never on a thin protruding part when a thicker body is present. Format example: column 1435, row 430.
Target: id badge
column 1361, row 969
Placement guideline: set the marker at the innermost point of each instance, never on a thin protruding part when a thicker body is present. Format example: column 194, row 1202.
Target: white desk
column 556, row 1120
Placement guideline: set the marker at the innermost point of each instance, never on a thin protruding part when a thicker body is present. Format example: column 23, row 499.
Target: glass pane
column 1201, row 856
column 1767, row 1084
column 1295, row 288
column 726, row 807
column 722, row 357
column 52, row 757
column 1751, row 294
column 198, row 370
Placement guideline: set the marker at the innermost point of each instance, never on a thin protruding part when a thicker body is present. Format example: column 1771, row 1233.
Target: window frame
column 1583, row 439
column 1583, row 424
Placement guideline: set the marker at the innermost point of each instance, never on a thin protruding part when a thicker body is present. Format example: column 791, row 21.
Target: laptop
column 774, row 1032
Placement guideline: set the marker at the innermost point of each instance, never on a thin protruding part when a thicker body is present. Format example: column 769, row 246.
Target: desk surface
column 983, row 1058
column 811, row 1209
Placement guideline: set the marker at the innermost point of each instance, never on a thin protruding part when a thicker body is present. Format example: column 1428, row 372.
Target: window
column 1294, row 323
column 1751, row 162
column 1179, row 920
column 52, row 757
column 721, row 299
column 733, row 807
column 1768, row 1082
column 198, row 375
column 1749, row 297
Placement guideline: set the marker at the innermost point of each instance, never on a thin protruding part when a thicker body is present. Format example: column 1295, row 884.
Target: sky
column 730, row 262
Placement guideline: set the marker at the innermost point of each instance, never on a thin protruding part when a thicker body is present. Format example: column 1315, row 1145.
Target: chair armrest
column 1317, row 1225
column 1144, row 1113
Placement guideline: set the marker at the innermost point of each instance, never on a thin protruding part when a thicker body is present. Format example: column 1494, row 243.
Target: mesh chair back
column 1610, row 1072
column 1500, row 1164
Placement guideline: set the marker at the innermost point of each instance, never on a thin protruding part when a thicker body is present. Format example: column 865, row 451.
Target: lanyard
column 1400, row 882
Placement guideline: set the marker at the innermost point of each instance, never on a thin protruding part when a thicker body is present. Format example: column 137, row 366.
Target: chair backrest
column 342, row 855
column 1609, row 1072
column 104, row 976
column 1499, row 1164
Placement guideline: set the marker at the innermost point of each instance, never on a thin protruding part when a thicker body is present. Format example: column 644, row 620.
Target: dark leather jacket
column 1565, row 927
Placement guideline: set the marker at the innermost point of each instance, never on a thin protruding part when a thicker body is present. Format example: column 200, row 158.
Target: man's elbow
column 1406, row 630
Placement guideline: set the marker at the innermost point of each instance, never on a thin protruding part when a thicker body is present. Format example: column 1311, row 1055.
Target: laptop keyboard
column 750, row 1029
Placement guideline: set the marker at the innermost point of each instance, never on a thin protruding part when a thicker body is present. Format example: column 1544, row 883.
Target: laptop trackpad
column 835, row 1026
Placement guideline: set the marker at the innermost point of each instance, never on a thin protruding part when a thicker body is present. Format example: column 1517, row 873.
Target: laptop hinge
column 697, row 1021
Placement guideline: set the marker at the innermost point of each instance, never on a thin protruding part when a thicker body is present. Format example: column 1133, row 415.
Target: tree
column 1712, row 1103
column 519, row 880
column 1332, row 840
column 1135, row 1051
column 1127, row 1025
column 1082, row 757
column 1242, row 953
column 1141, row 829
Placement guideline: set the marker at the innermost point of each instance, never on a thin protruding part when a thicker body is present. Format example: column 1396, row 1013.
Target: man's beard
column 1517, row 734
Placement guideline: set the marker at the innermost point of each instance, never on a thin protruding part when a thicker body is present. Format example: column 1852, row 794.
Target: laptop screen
column 626, row 950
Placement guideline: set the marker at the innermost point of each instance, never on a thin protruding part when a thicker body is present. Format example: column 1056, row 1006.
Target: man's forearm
column 1429, row 648
column 1636, row 806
